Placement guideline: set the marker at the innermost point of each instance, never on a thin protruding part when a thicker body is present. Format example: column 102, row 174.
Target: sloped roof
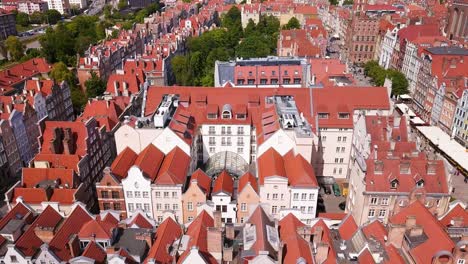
column 149, row 161
column 96, row 229
column 326, row 238
column 95, row 252
column 123, row 162
column 294, row 245
column 203, row 180
column 348, row 227
column 167, row 232
column 174, row 168
column 455, row 212
column 247, row 179
column 261, row 220
column 223, row 183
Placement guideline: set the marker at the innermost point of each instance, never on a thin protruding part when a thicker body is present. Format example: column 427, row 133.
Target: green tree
column 232, row 21
column 15, row 47
column 107, row 11
column 180, row 69
column 293, row 23
column 348, row 2
column 60, row 72
column 36, row 18
column 95, row 86
column 399, row 82
column 252, row 47
column 22, row 19
column 333, row 2
column 52, row 16
column 250, row 28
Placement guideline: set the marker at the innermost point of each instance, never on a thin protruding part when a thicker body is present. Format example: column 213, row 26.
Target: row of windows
column 339, row 139
column 145, row 207
column 107, row 206
column 166, row 194
column 239, row 150
column 114, row 194
column 303, row 196
column 167, row 206
column 225, row 130
column 382, row 213
column 137, row 194
column 273, row 73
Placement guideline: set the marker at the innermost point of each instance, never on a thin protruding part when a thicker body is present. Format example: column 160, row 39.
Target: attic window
column 240, row 116
column 420, row 183
column 343, row 115
column 212, row 116
column 227, row 111
column 323, row 115
column 394, row 184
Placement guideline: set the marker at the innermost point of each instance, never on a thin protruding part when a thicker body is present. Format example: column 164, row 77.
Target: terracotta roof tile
column 223, row 183
column 95, row 252
column 247, row 179
column 174, row 168
column 366, row 257
column 149, row 161
column 123, row 162
column 167, row 232
column 456, row 212
column 294, row 245
column 348, row 227
column 203, row 181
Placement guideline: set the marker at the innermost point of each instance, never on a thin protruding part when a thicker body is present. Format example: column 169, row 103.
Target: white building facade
column 137, row 192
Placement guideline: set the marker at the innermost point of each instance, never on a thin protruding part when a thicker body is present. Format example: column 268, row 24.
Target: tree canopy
column 52, row 16
column 95, row 86
column 378, row 75
column 22, row 19
column 293, row 23
column 14, row 47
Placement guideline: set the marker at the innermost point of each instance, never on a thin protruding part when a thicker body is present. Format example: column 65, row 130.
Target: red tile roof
column 333, row 216
column 223, row 183
column 294, row 245
column 203, row 181
column 366, row 257
column 79, row 132
column 97, row 229
column 106, row 112
column 96, row 252
column 59, row 160
column 123, row 162
column 19, row 211
column 248, row 179
column 456, row 212
column 437, row 238
column 149, row 161
column 376, row 230
column 29, row 243
column 260, row 219
column 167, row 232
column 326, row 238
column 72, row 225
column 139, row 220
column 347, row 228
column 33, row 176
column 21, row 72
column 174, row 168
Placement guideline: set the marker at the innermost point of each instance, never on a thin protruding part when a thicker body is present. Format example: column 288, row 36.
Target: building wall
column 305, row 199
column 361, row 39
column 221, row 200
column 336, row 149
column 19, row 129
column 236, row 139
column 460, row 123
column 108, row 185
column 251, row 199
column 136, row 139
column 11, row 148
column 134, row 187
column 458, row 20
column 195, row 196
column 411, row 65
column 388, row 46
column 168, row 140
column 30, row 7
column 7, row 26
column 167, row 201
column 62, row 6
column 275, row 193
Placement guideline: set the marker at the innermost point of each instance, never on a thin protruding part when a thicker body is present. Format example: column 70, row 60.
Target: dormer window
column 420, row 183
column 394, row 184
column 343, row 115
column 212, row 116
column 227, row 111
column 323, row 115
column 240, row 116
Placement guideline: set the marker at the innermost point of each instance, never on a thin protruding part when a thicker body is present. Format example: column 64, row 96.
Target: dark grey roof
column 448, row 51
column 12, row 226
column 126, row 239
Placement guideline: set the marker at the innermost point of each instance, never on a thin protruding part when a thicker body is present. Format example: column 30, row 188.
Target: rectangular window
column 190, row 218
column 212, row 149
column 129, row 194
column 371, row 213
column 240, row 141
column 382, row 213
column 229, row 141
column 243, row 207
column 174, row 195
column 384, row 201
column 240, row 150
column 274, row 209
column 275, row 196
column 158, row 194
column 167, row 207
column 160, row 219
column 146, row 207
column 310, row 209
column 138, row 205
column 303, row 208
column 311, row 196
column 115, row 194
column 131, row 207
column 145, row 194
column 117, row 207
column 374, row 200
column 137, row 194
column 106, row 206
column 211, row 130
column 224, row 208
column 190, row 206
column 104, row 194
column 323, row 115
column 343, row 149
column 229, row 130
column 337, row 149
column 240, row 130
column 211, row 141
column 175, row 207
column 296, row 197
column 339, row 139
column 166, row 194
column 158, row 206
column 304, row 196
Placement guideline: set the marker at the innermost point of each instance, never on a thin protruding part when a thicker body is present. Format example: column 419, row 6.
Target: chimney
column 431, row 167
column 321, row 252
column 45, row 233
column 217, row 219
column 280, row 252
column 228, row 255
column 378, row 167
column 376, row 148
column 125, row 88
column 405, row 166
column 396, row 234
column 410, row 221
column 74, row 246
column 215, row 242
column 68, row 142
column 39, row 85
column 416, row 231
column 230, row 232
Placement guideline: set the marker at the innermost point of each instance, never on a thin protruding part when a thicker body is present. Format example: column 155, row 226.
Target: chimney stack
column 215, row 242
column 68, row 142
column 378, row 166
column 217, row 219
column 416, row 231
column 396, row 234
column 55, row 142
column 410, row 221
column 230, row 232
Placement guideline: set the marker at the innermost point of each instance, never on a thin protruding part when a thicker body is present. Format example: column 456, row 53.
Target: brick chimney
column 228, row 254
column 317, row 235
column 68, row 142
column 416, row 231
column 378, row 166
column 44, row 233
column 116, row 88
column 321, row 252
column 217, row 219
column 215, row 242
column 431, row 168
column 405, row 166
column 74, row 246
column 396, row 234
column 410, row 221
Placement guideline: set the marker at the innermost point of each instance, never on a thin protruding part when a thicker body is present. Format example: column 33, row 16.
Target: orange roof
column 59, row 160
column 333, row 216
column 203, row 180
column 23, row 71
column 269, row 164
column 455, row 212
column 260, row 219
column 139, row 220
column 347, row 228
column 149, row 161
column 326, row 238
column 223, row 183
column 123, row 162
column 72, row 225
column 174, row 168
column 106, row 112
column 294, row 245
column 167, row 232
column 376, row 230
column 33, row 176
column 96, row 252
column 79, row 132
column 19, row 211
column 198, row 233
column 437, row 238
column 366, row 257
column 247, row 179
column 96, row 229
